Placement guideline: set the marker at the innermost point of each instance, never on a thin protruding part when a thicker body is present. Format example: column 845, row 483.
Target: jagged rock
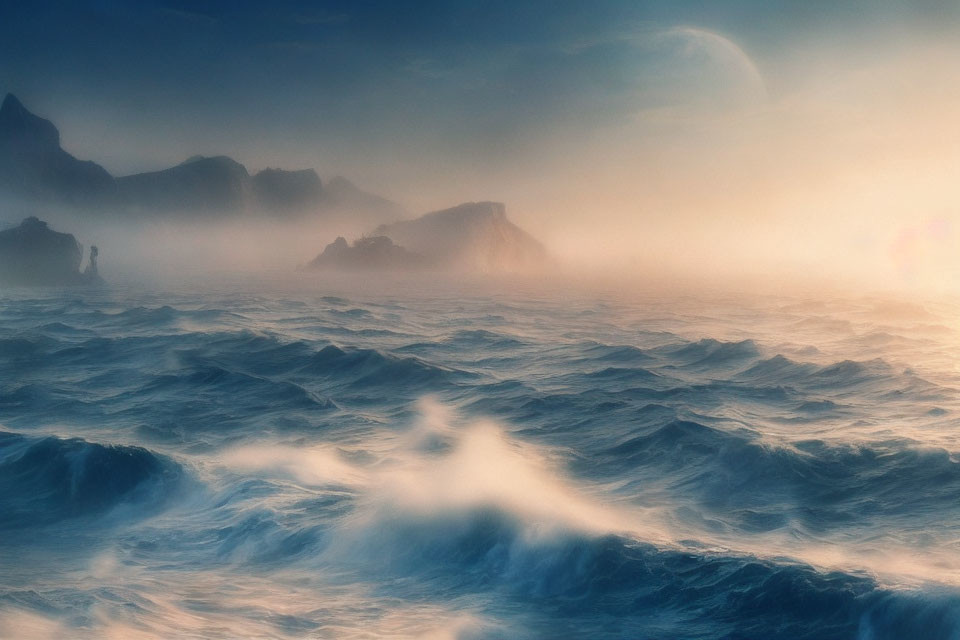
column 92, row 272
column 377, row 252
column 475, row 236
column 472, row 236
column 33, row 254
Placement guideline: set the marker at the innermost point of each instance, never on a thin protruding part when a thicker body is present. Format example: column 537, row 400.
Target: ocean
column 340, row 458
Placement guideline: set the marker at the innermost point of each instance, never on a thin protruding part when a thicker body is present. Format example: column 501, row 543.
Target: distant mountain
column 342, row 195
column 290, row 191
column 213, row 185
column 33, row 254
column 34, row 166
column 476, row 236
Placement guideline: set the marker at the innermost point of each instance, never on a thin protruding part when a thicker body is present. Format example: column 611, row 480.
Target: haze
column 789, row 143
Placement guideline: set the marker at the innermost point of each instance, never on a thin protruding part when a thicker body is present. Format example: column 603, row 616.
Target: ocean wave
column 779, row 368
column 368, row 368
column 619, row 354
column 158, row 316
column 479, row 338
column 20, row 349
column 207, row 390
column 875, row 376
column 632, row 375
column 641, row 588
column 758, row 486
column 578, row 471
column 710, row 352
column 49, row 480
column 520, row 531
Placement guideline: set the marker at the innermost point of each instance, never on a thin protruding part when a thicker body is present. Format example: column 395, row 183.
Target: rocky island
column 475, row 236
column 33, row 254
column 377, row 252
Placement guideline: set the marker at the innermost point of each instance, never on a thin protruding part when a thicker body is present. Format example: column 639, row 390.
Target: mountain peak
column 11, row 104
column 17, row 121
column 212, row 161
column 194, row 158
column 33, row 222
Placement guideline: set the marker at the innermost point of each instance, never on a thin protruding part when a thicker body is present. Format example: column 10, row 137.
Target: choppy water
column 316, row 463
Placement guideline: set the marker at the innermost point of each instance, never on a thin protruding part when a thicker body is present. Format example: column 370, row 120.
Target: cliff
column 475, row 236
column 32, row 163
column 32, row 254
column 472, row 236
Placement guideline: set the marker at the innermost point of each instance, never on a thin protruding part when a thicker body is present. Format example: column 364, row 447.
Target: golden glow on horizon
column 848, row 173
column 833, row 164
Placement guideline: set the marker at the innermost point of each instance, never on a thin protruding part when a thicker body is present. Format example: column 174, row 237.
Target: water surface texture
column 394, row 463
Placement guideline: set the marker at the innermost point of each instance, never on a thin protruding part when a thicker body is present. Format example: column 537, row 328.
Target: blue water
column 335, row 459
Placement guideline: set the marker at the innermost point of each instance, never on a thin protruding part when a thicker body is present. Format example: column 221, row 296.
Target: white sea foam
column 314, row 466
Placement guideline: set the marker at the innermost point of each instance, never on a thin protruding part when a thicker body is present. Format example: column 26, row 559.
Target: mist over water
column 350, row 459
column 196, row 246
column 628, row 320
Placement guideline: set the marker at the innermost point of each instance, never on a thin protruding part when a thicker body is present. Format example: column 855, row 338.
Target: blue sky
column 657, row 131
column 357, row 78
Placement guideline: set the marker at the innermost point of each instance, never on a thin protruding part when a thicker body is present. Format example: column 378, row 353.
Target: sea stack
column 33, row 254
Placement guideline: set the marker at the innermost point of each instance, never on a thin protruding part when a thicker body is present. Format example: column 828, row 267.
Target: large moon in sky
column 699, row 68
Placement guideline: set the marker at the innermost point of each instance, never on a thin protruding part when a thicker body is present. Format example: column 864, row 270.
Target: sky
column 742, row 135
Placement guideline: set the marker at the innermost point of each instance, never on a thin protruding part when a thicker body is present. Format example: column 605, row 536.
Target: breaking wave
column 302, row 465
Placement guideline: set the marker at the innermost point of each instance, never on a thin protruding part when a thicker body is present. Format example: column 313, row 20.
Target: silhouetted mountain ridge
column 282, row 190
column 33, row 165
column 218, row 185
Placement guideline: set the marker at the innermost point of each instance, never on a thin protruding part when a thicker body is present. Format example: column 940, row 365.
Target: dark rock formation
column 32, row 163
column 92, row 273
column 212, row 185
column 471, row 236
column 378, row 252
column 287, row 191
column 33, row 254
column 34, row 166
